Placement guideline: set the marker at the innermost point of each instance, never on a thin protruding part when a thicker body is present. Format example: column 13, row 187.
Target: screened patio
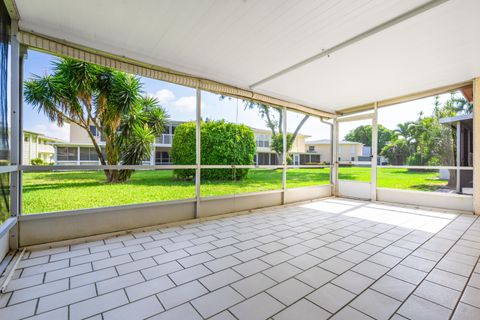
column 337, row 238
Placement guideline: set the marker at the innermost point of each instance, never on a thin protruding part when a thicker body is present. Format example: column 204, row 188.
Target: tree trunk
column 452, row 178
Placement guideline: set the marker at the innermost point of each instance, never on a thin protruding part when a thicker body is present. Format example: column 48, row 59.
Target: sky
column 180, row 103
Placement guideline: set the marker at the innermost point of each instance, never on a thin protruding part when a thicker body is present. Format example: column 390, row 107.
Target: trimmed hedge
column 222, row 143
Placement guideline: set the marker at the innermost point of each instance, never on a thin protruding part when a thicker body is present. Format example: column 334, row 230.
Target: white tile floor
column 334, row 258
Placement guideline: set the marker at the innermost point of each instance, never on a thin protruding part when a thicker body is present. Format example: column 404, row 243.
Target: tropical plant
column 363, row 134
column 397, row 152
column 37, row 162
column 426, row 141
column 111, row 101
column 222, row 143
column 273, row 117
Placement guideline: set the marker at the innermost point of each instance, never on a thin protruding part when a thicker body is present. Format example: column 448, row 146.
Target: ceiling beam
column 407, row 15
column 12, row 9
column 64, row 48
column 407, row 97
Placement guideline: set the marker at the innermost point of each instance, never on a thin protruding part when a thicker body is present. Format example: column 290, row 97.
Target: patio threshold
column 333, row 258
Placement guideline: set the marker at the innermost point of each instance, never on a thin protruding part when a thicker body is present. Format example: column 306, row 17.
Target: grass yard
column 57, row 191
column 395, row 178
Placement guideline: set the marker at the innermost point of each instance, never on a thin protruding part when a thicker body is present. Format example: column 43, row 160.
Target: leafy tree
column 397, row 151
column 222, row 143
column 277, row 145
column 87, row 95
column 426, row 141
column 461, row 104
column 363, row 134
column 273, row 118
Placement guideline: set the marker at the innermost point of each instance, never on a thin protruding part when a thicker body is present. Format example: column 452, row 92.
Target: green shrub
column 37, row 162
column 222, row 143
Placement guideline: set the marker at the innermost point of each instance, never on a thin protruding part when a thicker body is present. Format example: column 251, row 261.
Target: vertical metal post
column 198, row 152
column 284, row 156
column 476, row 145
column 334, row 163
column 16, row 120
column 374, row 160
column 16, row 97
column 459, row 155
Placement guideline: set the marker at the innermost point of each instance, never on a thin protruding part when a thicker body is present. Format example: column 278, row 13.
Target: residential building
column 38, row 146
column 80, row 150
column 347, row 150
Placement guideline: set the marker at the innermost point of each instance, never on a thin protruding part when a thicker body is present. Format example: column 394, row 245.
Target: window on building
column 67, row 153
column 94, row 131
column 311, row 148
column 162, row 157
column 25, row 138
column 88, row 154
column 262, row 140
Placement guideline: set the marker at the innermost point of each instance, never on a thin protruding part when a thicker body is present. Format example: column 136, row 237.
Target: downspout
column 333, row 171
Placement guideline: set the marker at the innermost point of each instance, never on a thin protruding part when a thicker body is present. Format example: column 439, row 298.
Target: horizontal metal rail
column 7, row 169
column 365, row 163
column 428, row 167
column 106, row 167
column 365, row 116
column 301, row 166
column 234, row 166
column 82, row 167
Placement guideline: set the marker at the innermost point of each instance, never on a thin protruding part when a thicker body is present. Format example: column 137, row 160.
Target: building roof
column 465, row 119
column 270, row 132
column 43, row 136
column 460, row 117
column 327, row 141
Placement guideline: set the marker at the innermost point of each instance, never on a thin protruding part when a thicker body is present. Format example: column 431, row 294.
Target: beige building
column 38, row 146
column 266, row 156
column 79, row 150
column 347, row 150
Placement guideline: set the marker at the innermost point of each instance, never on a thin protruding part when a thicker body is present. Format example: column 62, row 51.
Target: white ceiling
column 240, row 42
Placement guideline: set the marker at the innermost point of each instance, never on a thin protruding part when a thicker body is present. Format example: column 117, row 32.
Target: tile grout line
column 267, row 253
column 428, row 273
column 466, row 283
column 399, row 263
column 331, row 231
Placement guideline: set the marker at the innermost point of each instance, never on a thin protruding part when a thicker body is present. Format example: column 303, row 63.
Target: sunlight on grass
column 355, row 173
column 409, row 180
column 57, row 191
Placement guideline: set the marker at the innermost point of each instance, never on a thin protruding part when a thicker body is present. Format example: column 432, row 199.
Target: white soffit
column 240, row 42
column 436, row 48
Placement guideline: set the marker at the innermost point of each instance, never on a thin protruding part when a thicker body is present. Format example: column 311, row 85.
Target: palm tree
column 88, row 95
column 404, row 130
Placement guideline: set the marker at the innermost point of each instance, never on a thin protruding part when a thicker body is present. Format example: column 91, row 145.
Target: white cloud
column 54, row 131
column 164, row 96
column 186, row 104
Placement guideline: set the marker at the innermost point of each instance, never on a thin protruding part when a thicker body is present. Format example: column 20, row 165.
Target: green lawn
column 395, row 178
column 56, row 191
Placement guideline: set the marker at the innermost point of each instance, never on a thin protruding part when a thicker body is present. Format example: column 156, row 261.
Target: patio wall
column 67, row 225
column 427, row 199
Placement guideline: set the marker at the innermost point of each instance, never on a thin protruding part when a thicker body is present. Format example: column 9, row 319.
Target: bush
column 222, row 143
column 37, row 162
